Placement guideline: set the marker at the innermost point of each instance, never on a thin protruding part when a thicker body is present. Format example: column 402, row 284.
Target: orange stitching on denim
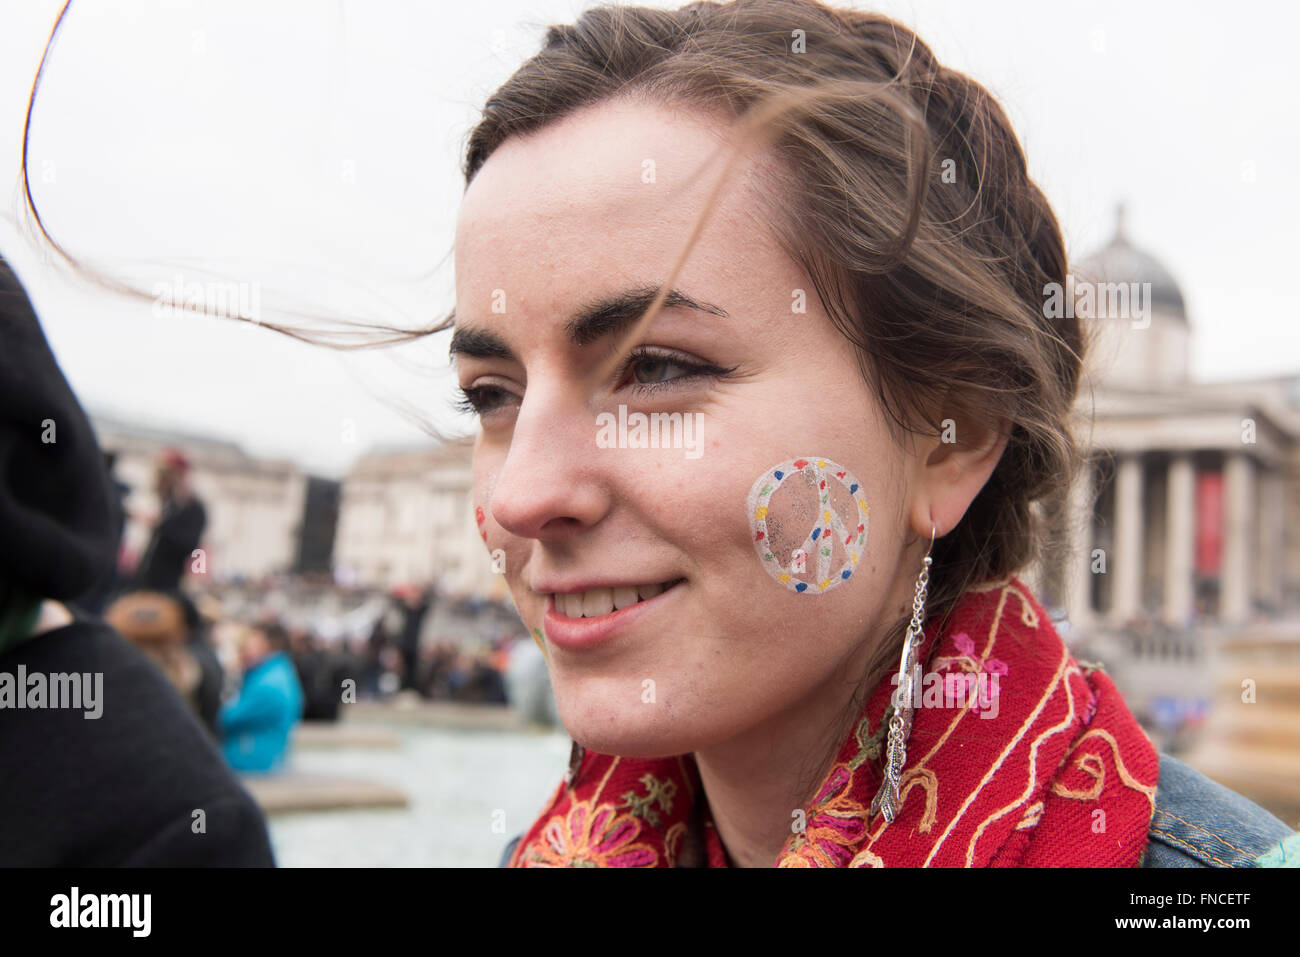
column 1239, row 850
column 1165, row 836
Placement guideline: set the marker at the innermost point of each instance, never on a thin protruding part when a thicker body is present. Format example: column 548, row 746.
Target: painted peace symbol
column 822, row 497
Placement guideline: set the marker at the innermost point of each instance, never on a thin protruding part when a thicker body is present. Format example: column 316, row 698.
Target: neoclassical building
column 1188, row 510
column 406, row 515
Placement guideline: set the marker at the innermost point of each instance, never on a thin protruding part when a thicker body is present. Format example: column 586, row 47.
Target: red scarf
column 1063, row 776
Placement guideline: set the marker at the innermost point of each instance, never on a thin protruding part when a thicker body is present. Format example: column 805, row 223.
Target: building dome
column 1121, row 261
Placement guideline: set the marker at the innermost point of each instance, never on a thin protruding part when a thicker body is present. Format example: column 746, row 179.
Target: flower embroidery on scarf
column 591, row 838
column 968, row 662
column 836, row 826
column 604, row 837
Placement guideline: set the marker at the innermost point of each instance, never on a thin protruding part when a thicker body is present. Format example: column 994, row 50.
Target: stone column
column 1180, row 541
column 1239, row 530
column 1130, row 524
column 1272, row 526
column 1077, row 579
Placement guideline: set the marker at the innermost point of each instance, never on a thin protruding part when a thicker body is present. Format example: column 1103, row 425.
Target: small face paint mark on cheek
column 809, row 522
column 489, row 485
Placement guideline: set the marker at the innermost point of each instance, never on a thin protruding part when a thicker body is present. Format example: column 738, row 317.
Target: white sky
column 316, row 146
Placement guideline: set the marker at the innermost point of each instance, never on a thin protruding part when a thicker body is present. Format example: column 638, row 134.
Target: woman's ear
column 951, row 468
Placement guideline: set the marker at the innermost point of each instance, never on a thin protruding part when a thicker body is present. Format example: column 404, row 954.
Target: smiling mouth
column 603, row 601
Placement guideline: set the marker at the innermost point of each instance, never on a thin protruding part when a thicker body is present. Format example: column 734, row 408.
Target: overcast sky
column 314, row 147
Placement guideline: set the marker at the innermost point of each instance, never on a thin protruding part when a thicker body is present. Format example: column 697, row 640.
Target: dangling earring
column 900, row 725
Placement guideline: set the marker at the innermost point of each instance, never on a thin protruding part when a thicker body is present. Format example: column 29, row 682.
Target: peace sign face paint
column 808, row 518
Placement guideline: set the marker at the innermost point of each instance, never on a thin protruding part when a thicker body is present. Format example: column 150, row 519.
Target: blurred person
column 321, row 671
column 256, row 724
column 373, row 658
column 528, row 685
column 457, row 673
column 118, row 781
column 207, row 696
column 389, row 681
column 414, row 604
column 484, row 683
column 155, row 623
column 442, row 658
column 178, row 528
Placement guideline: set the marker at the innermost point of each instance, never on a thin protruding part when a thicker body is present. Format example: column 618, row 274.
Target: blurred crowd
column 250, row 676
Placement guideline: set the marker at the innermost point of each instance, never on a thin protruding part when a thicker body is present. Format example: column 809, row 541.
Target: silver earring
column 900, row 724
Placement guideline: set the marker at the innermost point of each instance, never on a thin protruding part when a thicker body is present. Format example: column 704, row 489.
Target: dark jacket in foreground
column 122, row 789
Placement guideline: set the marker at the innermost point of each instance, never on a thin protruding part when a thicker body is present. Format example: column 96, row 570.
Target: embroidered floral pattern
column 836, row 826
column 591, row 838
column 969, row 663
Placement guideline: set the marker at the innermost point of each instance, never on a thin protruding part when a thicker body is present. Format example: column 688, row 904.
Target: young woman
column 749, row 302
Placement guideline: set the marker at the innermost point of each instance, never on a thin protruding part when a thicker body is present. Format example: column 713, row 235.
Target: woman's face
column 593, row 211
column 254, row 649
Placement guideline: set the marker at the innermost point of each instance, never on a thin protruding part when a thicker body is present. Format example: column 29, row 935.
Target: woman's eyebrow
column 607, row 316
column 611, row 315
column 478, row 344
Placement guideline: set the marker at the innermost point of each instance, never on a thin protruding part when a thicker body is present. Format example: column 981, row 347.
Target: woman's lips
column 578, row 633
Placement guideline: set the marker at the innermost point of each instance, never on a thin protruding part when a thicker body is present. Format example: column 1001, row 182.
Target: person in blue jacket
column 255, row 726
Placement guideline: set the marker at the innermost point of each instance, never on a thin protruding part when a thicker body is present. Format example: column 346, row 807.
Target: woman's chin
column 642, row 731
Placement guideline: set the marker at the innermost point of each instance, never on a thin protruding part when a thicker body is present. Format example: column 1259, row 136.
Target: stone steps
column 323, row 736
column 296, row 791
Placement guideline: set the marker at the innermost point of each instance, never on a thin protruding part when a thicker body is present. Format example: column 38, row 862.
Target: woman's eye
column 482, row 399
column 651, row 369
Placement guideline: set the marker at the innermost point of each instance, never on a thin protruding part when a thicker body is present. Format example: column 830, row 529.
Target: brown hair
column 905, row 198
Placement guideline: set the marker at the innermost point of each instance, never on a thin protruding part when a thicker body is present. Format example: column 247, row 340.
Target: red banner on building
column 1209, row 523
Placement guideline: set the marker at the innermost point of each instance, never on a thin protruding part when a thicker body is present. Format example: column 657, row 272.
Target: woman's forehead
column 619, row 165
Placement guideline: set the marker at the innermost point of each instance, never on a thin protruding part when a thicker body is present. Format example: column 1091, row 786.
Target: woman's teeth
column 602, row 601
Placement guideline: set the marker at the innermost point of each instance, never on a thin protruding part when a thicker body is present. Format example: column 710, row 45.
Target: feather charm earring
column 887, row 799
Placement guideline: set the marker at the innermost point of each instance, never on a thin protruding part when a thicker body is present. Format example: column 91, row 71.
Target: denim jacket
column 1197, row 823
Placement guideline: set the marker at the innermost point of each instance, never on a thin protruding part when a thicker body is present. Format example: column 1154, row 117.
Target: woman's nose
column 550, row 485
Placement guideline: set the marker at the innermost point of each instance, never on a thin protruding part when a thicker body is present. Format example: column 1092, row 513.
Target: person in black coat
column 179, row 527
column 102, row 763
